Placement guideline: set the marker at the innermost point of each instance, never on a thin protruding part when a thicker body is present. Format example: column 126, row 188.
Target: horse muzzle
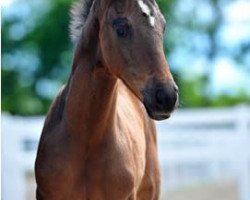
column 160, row 100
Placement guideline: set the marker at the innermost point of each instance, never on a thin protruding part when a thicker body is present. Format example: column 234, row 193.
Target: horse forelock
column 79, row 13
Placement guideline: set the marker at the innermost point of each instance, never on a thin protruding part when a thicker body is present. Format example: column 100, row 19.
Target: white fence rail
column 194, row 146
column 206, row 144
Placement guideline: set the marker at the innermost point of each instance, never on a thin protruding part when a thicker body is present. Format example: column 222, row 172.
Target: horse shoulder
column 52, row 151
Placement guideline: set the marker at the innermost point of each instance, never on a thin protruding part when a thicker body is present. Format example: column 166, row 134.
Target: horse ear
column 88, row 41
column 78, row 16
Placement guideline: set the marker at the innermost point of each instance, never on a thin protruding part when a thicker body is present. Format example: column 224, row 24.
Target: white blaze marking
column 145, row 9
column 152, row 21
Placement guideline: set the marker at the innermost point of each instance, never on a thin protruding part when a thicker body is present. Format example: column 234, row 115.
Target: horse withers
column 99, row 138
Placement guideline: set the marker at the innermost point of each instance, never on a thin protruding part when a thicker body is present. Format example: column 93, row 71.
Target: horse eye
column 121, row 27
column 121, row 31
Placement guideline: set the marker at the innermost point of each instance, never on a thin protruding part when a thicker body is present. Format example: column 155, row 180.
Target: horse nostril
column 166, row 100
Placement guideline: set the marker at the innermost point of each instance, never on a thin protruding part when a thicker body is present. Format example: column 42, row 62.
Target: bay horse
column 99, row 138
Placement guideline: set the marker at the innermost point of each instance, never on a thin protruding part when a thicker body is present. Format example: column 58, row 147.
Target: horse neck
column 90, row 103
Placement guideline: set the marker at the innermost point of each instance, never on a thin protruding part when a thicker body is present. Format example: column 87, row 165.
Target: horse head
column 126, row 37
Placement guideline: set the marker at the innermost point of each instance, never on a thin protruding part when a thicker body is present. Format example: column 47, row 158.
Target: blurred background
column 204, row 148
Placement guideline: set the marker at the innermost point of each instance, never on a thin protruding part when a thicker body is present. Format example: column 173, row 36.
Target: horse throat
column 91, row 101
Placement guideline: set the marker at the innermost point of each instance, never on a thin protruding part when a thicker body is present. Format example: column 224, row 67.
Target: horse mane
column 79, row 13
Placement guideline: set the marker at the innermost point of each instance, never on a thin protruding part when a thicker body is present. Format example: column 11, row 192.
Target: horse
column 99, row 138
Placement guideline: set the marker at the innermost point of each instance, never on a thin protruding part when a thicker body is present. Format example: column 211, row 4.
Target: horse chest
column 117, row 164
column 112, row 170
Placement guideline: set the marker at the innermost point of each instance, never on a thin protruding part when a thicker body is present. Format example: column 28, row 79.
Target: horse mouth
column 157, row 115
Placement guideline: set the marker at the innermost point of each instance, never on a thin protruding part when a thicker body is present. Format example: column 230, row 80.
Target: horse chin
column 161, row 116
